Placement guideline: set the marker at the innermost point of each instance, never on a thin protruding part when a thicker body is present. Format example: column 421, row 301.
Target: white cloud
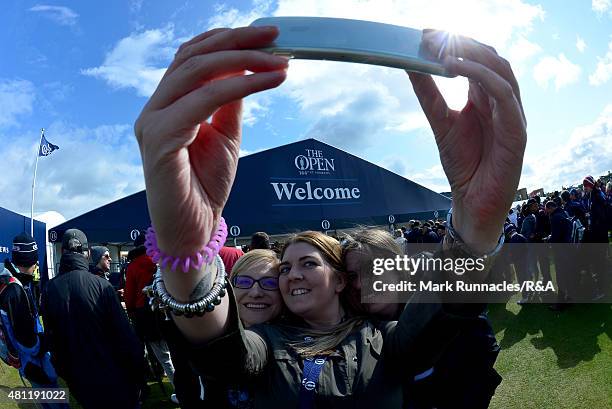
column 601, row 6
column 16, row 98
column 520, row 51
column 231, row 17
column 560, row 70
column 93, row 166
column 254, row 107
column 580, row 44
column 138, row 61
column 61, row 15
column 603, row 72
column 432, row 178
column 587, row 152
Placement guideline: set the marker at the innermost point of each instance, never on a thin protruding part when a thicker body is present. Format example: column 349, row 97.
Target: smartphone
column 338, row 39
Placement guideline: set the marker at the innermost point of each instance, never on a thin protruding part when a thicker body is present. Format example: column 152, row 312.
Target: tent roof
column 11, row 224
column 303, row 185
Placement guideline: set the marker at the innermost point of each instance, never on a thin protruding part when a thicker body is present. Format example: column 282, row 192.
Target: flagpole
column 42, row 133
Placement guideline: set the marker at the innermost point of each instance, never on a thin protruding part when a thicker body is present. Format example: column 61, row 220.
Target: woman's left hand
column 482, row 146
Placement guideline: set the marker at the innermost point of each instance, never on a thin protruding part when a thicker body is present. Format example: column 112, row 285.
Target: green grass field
column 548, row 360
column 553, row 360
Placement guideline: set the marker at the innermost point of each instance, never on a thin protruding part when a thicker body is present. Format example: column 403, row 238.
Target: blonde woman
column 255, row 282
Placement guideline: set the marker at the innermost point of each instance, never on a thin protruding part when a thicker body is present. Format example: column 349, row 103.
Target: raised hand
column 482, row 146
column 189, row 163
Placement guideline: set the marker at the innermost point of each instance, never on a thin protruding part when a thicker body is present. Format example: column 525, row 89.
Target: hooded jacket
column 93, row 345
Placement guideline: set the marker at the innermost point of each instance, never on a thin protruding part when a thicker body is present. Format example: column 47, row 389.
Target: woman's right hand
column 189, row 163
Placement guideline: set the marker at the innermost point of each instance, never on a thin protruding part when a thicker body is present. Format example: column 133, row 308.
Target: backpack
column 577, row 231
column 11, row 351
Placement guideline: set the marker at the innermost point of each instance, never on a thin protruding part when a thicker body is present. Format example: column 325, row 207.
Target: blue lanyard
column 312, row 371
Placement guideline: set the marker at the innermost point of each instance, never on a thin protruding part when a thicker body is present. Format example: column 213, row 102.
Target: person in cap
column 100, row 261
column 93, row 345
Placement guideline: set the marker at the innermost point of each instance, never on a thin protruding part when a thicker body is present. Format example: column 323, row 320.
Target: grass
column 551, row 359
column 9, row 378
column 548, row 360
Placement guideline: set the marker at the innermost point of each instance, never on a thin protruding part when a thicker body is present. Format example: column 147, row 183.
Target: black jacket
column 18, row 306
column 93, row 345
column 597, row 228
column 560, row 227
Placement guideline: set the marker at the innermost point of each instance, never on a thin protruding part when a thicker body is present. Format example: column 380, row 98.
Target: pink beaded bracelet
column 205, row 255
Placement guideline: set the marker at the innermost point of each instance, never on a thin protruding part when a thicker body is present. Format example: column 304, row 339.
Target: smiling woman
column 255, row 282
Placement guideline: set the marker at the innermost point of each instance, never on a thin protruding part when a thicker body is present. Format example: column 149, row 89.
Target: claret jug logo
column 314, row 163
column 300, row 191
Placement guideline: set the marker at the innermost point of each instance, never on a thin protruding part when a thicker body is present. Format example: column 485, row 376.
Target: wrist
column 192, row 261
column 478, row 238
column 181, row 287
column 481, row 238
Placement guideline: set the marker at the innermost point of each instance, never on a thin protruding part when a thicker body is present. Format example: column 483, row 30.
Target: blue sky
column 83, row 72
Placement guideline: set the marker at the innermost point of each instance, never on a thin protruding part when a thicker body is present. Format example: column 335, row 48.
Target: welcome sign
column 317, row 183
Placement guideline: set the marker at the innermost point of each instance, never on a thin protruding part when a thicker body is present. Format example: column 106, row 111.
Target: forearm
column 190, row 286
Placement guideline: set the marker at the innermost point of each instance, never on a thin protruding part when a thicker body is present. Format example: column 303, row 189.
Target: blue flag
column 46, row 147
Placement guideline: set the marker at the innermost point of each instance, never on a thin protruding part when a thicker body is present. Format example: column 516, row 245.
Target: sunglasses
column 107, row 256
column 245, row 282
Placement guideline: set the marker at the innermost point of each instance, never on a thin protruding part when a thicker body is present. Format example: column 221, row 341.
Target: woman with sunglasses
column 255, row 282
column 190, row 163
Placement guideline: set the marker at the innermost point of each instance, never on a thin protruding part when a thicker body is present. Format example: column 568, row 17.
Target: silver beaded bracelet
column 166, row 303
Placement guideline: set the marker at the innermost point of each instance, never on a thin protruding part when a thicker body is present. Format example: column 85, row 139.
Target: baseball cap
column 532, row 201
column 74, row 240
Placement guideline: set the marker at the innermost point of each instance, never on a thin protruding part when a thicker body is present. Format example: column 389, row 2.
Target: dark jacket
column 574, row 208
column 528, row 228
column 463, row 377
column 542, row 225
column 93, row 345
column 560, row 227
column 431, row 237
column 414, row 236
column 597, row 227
column 18, row 303
column 95, row 270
